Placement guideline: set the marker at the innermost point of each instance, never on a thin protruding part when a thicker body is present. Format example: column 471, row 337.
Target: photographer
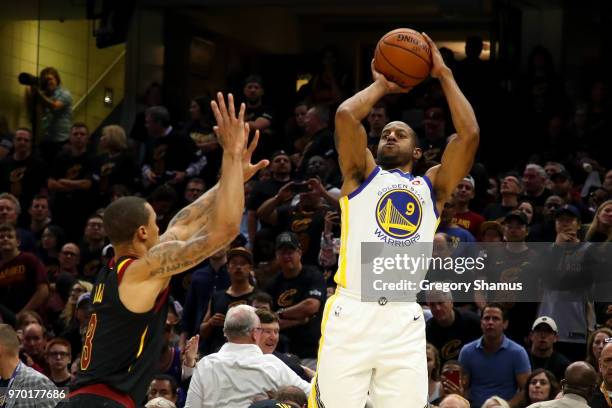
column 55, row 103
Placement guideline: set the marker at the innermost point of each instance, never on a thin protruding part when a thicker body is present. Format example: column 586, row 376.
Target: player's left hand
column 438, row 66
column 248, row 169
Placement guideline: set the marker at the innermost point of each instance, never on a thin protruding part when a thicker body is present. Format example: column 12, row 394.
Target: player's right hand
column 230, row 129
column 391, row 87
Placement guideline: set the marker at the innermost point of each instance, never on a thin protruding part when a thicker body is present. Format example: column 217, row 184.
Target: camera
column 301, row 187
column 28, row 79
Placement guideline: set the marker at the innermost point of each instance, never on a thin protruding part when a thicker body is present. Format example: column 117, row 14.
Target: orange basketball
column 403, row 56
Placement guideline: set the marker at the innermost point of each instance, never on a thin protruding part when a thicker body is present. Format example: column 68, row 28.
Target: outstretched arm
column 356, row 160
column 459, row 153
column 150, row 274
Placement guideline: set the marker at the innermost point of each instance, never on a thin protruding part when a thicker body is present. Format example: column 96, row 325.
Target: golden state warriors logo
column 398, row 214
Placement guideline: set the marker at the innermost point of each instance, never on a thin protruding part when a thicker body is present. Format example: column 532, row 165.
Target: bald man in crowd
column 577, row 387
column 454, row 401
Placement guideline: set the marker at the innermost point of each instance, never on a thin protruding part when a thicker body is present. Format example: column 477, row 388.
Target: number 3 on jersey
column 88, row 346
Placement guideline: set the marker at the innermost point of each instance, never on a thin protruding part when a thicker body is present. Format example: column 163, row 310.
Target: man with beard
column 258, row 115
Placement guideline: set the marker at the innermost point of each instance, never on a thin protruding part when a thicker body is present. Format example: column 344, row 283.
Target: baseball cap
column 517, row 215
column 287, row 240
column 547, row 321
column 568, row 209
column 240, row 251
column 279, row 153
column 561, row 175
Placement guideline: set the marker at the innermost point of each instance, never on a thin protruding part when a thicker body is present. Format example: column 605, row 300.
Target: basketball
column 403, row 56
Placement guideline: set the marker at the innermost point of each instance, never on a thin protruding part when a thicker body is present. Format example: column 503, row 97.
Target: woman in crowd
column 595, row 344
column 115, row 164
column 600, row 229
column 51, row 243
column 68, row 315
column 542, row 385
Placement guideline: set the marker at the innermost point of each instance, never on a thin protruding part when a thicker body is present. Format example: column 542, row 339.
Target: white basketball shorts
column 370, row 348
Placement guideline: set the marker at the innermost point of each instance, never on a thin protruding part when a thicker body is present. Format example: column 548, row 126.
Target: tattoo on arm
column 173, row 257
column 196, row 209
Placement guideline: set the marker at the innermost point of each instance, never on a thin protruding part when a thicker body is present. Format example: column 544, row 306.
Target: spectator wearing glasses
column 240, row 370
column 58, row 358
column 541, row 386
column 268, row 342
column 94, row 240
column 69, row 258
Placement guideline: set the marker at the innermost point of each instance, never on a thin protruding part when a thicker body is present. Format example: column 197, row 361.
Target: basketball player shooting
column 130, row 298
column 380, row 347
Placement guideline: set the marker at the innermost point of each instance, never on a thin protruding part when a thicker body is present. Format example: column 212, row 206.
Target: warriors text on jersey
column 392, row 207
column 121, row 348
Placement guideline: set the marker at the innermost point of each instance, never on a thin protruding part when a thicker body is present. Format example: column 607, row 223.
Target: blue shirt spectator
column 494, row 364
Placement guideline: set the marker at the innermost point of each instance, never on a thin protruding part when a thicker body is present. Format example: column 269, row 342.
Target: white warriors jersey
column 392, row 207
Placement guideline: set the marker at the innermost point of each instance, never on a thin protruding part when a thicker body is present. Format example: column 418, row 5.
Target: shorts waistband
column 105, row 391
column 349, row 294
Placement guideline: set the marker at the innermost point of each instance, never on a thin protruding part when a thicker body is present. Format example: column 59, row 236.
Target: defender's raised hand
column 249, row 169
column 230, row 129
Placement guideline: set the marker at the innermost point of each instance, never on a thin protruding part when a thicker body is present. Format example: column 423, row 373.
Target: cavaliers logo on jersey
column 399, row 213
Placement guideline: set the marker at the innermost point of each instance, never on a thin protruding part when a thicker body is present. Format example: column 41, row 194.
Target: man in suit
column 577, row 387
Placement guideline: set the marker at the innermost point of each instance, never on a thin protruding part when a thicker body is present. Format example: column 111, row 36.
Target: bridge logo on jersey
column 399, row 213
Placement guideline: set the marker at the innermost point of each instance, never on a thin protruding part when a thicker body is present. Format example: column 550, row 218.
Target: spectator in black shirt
column 40, row 216
column 170, row 155
column 23, row 173
column 259, row 116
column 280, row 169
column 510, row 189
column 317, row 128
column 541, row 353
column 58, row 354
column 305, row 218
column 534, row 181
column 240, row 267
column 450, row 328
column 70, row 183
column 94, row 240
column 299, row 294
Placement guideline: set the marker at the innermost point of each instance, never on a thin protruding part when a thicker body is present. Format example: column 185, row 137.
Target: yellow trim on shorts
column 340, row 277
column 312, row 401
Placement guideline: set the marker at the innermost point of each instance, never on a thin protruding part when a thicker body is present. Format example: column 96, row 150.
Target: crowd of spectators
column 552, row 183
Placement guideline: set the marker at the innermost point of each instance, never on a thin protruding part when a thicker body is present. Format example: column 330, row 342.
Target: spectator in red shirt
column 23, row 278
column 464, row 193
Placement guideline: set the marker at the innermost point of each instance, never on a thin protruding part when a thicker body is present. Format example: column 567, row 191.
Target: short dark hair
column 495, row 305
column 169, row 378
column 291, row 393
column 159, row 114
column 266, row 317
column 123, row 217
column 261, row 297
column 7, row 227
column 79, row 125
column 49, row 71
column 322, row 112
